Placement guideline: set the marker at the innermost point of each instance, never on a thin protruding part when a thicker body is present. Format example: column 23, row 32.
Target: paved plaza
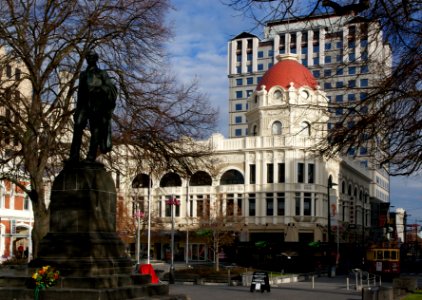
column 324, row 288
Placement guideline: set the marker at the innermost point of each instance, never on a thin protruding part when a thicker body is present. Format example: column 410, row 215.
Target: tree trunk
column 41, row 222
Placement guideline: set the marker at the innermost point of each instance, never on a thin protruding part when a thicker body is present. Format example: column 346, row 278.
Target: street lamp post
column 330, row 185
column 172, row 202
column 138, row 215
column 187, row 222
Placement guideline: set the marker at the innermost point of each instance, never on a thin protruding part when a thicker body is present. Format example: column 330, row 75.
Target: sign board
column 260, row 282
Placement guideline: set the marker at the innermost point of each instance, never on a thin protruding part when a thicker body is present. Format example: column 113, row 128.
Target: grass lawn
column 415, row 296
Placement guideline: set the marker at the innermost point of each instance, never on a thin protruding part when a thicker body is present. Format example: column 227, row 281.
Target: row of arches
column 199, row 178
column 356, row 192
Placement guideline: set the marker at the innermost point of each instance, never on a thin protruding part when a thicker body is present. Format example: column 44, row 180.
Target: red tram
column 383, row 261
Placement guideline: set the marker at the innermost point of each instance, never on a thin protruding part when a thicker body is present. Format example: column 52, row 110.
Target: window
column 363, row 43
column 351, row 151
column 300, row 172
column 351, row 83
column 351, row 44
column 327, row 85
column 276, row 128
column 270, row 65
column 351, row 97
column 363, row 96
column 339, row 98
column 364, row 83
column 307, row 199
column 352, row 56
column 316, row 60
column 270, row 173
column 260, row 54
column 239, row 57
column 305, row 128
column 252, row 210
column 260, row 67
column 305, row 62
column 249, row 56
column 364, row 69
column 297, row 204
column 239, row 94
column 316, row 73
column 270, row 53
column 328, row 46
column 339, row 71
column 249, row 68
column 311, row 173
column 258, row 79
column 17, row 74
column 249, row 92
column 327, row 72
column 238, row 132
column 249, row 80
column 238, row 106
column 304, row 50
column 327, row 59
column 339, row 58
column 339, row 45
column 26, row 203
column 339, row 84
column 339, row 111
column 352, row 70
column 239, row 205
column 281, row 172
column 9, row 71
column 316, row 48
column 252, row 174
column 363, row 151
column 364, row 55
column 280, row 204
column 238, row 119
column 238, row 70
column 239, row 81
column 269, row 199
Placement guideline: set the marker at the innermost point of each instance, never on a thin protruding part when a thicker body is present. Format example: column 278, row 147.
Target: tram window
column 379, row 254
column 387, row 254
column 393, row 254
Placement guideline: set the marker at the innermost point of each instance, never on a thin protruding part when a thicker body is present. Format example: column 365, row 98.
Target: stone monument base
column 82, row 244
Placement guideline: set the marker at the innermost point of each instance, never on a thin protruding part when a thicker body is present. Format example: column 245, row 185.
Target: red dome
column 287, row 70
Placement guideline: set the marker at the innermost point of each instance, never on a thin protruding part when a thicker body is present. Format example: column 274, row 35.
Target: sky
column 198, row 52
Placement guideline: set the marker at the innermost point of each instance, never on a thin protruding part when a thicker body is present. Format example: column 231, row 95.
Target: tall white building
column 346, row 55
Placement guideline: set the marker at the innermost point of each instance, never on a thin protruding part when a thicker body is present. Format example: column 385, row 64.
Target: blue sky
column 198, row 51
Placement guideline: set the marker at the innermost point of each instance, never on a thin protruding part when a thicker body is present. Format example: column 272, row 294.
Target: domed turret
column 287, row 71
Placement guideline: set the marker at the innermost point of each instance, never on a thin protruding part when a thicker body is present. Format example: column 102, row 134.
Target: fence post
column 347, row 283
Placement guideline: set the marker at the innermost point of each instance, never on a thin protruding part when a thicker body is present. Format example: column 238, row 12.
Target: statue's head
column 91, row 57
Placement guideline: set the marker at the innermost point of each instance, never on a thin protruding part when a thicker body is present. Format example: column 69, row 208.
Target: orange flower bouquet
column 44, row 277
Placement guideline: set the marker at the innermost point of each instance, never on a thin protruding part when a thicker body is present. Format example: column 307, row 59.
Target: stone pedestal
column 82, row 242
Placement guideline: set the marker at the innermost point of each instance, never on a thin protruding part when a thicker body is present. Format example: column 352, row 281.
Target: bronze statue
column 95, row 104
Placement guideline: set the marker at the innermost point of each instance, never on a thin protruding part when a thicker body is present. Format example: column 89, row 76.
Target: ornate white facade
column 275, row 181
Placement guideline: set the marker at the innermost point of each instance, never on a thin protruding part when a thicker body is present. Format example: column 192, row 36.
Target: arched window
column 276, row 128
column 232, row 177
column 343, row 187
column 305, row 129
column 170, row 179
column 200, row 178
column 141, row 181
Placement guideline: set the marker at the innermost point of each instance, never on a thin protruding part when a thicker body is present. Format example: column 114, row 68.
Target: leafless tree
column 218, row 226
column 394, row 121
column 43, row 49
